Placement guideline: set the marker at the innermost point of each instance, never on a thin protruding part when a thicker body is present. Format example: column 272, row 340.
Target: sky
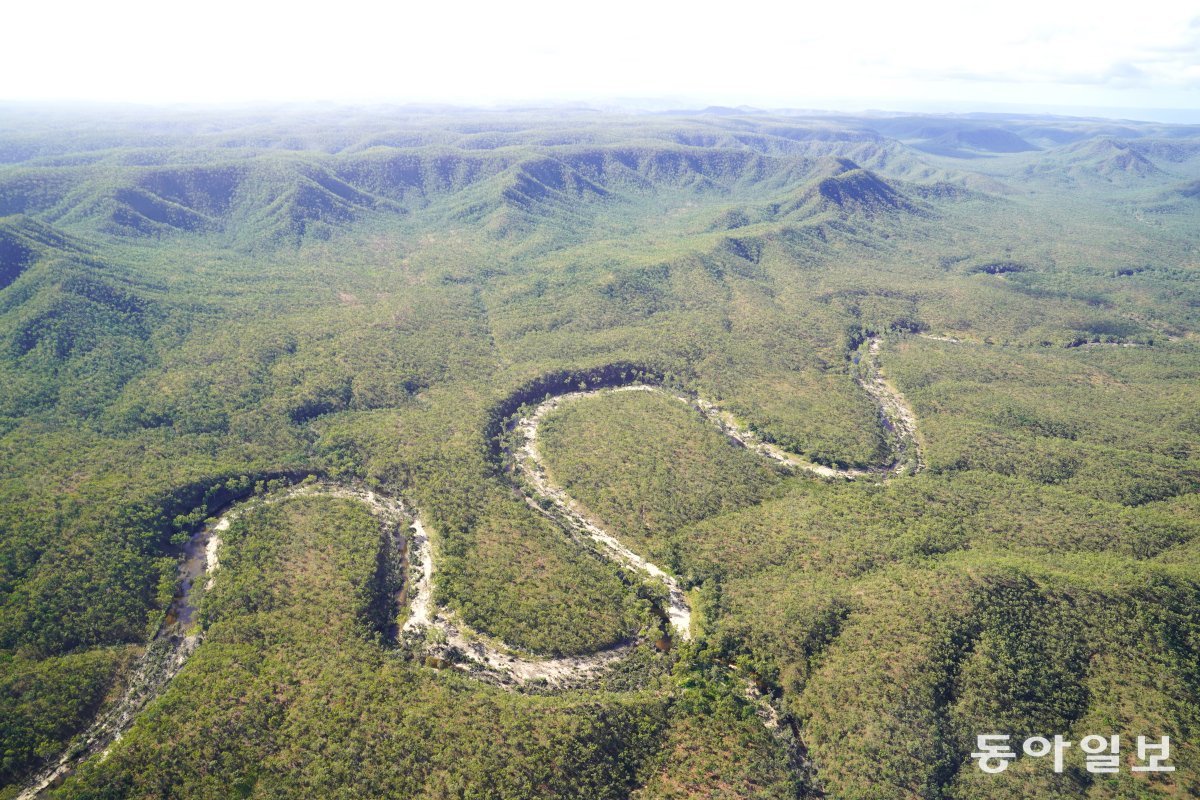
column 1043, row 55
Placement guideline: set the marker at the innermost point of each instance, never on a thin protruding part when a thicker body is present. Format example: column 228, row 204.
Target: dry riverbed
column 446, row 641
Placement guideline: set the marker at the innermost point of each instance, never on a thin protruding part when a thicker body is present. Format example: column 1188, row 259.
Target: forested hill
column 194, row 304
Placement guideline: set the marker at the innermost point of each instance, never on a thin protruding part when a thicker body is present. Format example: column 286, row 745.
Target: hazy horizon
column 647, row 106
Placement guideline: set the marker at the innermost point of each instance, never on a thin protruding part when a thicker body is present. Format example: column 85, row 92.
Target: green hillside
column 199, row 309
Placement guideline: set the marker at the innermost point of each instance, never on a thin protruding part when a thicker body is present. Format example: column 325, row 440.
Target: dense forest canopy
column 194, row 305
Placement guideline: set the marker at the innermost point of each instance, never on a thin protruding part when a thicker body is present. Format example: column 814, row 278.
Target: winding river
column 446, row 640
